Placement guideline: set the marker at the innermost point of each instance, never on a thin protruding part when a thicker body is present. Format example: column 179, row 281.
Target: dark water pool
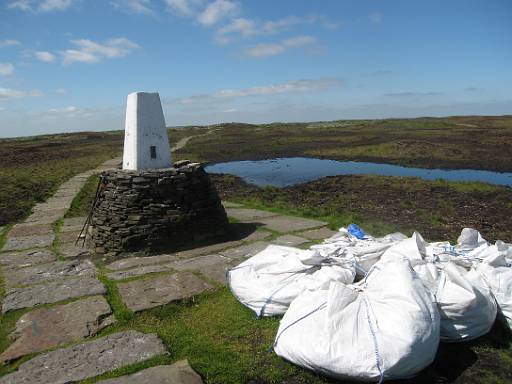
column 287, row 171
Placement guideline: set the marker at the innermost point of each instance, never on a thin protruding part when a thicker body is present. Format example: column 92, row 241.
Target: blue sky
column 67, row 65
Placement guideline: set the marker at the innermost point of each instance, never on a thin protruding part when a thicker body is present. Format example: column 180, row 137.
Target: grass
column 32, row 168
column 438, row 209
column 457, row 142
column 81, row 204
column 221, row 339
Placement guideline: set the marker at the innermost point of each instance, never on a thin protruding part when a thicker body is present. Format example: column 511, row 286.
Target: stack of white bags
column 409, row 295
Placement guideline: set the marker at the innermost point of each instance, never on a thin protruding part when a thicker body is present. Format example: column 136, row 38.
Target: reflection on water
column 287, row 171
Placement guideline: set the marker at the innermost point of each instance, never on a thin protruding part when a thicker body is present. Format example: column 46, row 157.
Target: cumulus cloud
column 272, row 49
column 40, row 5
column 375, row 17
column 7, row 94
column 292, row 86
column 6, row 69
column 134, row 6
column 9, row 43
column 243, row 27
column 45, row 56
column 90, row 52
column 217, row 11
column 183, row 7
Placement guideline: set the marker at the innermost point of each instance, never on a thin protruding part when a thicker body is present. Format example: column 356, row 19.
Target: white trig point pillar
column 146, row 143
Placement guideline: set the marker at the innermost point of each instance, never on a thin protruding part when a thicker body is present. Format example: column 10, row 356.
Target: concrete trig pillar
column 146, row 143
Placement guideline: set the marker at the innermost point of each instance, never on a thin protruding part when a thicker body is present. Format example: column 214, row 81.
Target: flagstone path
column 58, row 288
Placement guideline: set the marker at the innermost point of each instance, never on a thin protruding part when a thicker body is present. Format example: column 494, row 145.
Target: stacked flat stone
column 156, row 209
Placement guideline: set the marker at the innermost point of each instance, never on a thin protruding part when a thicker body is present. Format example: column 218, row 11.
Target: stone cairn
column 152, row 204
column 156, row 209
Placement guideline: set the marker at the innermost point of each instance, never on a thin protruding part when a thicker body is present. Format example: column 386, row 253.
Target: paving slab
column 46, row 217
column 30, row 229
column 45, row 328
column 42, row 273
column 52, row 292
column 27, row 258
column 285, row 224
column 177, row 373
column 69, row 237
column 290, row 240
column 228, row 204
column 212, row 266
column 26, row 242
column 318, row 234
column 153, row 292
column 248, row 214
column 245, row 251
column 73, row 224
column 89, row 359
column 70, row 251
column 139, row 271
column 132, row 262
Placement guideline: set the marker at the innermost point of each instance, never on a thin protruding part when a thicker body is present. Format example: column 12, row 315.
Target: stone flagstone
column 73, row 224
column 45, row 328
column 245, row 251
column 178, row 373
column 30, row 229
column 318, row 234
column 132, row 262
column 70, row 237
column 139, row 271
column 248, row 214
column 285, row 224
column 88, row 359
column 18, row 298
column 290, row 240
column 153, row 292
column 26, row 242
column 46, row 217
column 70, row 251
column 27, row 258
column 212, row 266
column 47, row 272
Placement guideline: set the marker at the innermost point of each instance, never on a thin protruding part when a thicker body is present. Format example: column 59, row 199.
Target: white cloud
column 69, row 112
column 376, row 17
column 89, row 51
column 6, row 69
column 184, row 7
column 40, row 5
column 9, row 43
column 216, row 11
column 272, row 49
column 243, row 27
column 7, row 94
column 134, row 6
column 71, row 108
column 47, row 57
column 292, row 86
column 60, row 91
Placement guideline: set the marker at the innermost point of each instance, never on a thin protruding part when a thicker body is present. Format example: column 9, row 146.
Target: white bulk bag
column 385, row 327
column 365, row 252
column 269, row 281
column 497, row 273
column 466, row 304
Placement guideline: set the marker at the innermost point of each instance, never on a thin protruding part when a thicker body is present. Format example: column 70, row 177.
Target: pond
column 288, row 171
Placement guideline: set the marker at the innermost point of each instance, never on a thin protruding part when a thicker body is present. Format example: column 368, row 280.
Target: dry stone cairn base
column 154, row 209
